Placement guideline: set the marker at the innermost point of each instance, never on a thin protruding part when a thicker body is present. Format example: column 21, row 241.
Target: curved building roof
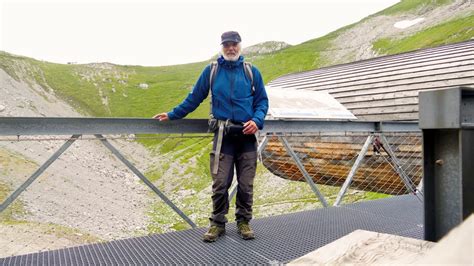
column 386, row 88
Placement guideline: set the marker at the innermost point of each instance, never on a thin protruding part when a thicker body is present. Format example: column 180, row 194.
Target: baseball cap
column 230, row 36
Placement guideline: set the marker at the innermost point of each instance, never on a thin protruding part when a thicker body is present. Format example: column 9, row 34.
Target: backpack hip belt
column 223, row 127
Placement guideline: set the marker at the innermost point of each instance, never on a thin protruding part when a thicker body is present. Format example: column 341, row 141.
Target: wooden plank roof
column 386, row 88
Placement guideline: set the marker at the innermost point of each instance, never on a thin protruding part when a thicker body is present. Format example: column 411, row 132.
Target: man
column 239, row 104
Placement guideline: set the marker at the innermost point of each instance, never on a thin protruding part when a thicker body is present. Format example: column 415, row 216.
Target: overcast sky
column 165, row 32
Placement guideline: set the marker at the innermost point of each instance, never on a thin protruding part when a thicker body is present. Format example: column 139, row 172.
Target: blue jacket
column 231, row 94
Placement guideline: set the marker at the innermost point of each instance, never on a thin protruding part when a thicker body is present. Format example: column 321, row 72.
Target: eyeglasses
column 230, row 44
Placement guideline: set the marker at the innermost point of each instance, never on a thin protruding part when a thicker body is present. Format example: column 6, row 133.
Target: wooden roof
column 386, row 88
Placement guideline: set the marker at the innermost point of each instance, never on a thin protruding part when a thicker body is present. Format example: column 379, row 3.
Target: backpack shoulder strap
column 249, row 73
column 214, row 65
column 212, row 77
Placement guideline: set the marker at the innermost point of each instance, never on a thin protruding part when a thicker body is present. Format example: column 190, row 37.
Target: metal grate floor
column 279, row 239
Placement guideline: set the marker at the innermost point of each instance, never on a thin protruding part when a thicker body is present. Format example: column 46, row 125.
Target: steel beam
column 282, row 126
column 14, row 126
column 19, row 126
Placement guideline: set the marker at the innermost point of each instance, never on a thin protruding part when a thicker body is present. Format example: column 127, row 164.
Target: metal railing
column 357, row 156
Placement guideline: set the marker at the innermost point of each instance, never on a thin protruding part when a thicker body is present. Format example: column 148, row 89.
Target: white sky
column 165, row 32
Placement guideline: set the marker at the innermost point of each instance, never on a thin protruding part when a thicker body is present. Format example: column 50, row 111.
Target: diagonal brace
column 303, row 171
column 38, row 172
column 397, row 166
column 353, row 171
column 144, row 179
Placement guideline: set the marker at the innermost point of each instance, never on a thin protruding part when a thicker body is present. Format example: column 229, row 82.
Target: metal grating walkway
column 279, row 239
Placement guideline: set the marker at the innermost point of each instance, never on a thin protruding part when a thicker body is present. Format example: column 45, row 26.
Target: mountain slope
column 179, row 167
column 399, row 23
column 135, row 91
column 263, row 48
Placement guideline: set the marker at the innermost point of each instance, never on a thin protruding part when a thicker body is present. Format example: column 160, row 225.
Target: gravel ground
column 87, row 188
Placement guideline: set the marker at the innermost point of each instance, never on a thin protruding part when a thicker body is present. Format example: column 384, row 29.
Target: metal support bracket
column 303, row 171
column 144, row 179
column 353, row 171
column 233, row 188
column 261, row 146
column 38, row 172
column 397, row 167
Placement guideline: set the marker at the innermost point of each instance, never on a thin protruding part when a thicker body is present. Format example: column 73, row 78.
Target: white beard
column 232, row 58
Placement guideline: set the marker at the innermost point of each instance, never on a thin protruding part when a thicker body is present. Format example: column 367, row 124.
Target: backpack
column 247, row 69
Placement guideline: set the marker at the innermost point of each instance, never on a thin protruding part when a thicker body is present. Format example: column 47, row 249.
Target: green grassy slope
column 406, row 6
column 87, row 86
column 456, row 30
column 302, row 57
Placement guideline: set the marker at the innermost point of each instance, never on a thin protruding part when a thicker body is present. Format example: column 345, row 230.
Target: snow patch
column 407, row 23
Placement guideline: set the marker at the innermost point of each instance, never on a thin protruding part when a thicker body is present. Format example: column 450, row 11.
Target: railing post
column 447, row 122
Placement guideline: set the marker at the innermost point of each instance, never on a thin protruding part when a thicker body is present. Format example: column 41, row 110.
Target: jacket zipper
column 232, row 80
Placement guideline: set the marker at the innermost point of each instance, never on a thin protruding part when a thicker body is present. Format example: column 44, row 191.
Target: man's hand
column 162, row 117
column 250, row 127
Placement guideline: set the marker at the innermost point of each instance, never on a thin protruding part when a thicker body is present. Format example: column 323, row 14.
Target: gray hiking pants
column 239, row 151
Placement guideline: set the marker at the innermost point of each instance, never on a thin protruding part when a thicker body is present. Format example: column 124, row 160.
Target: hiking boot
column 213, row 233
column 245, row 231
